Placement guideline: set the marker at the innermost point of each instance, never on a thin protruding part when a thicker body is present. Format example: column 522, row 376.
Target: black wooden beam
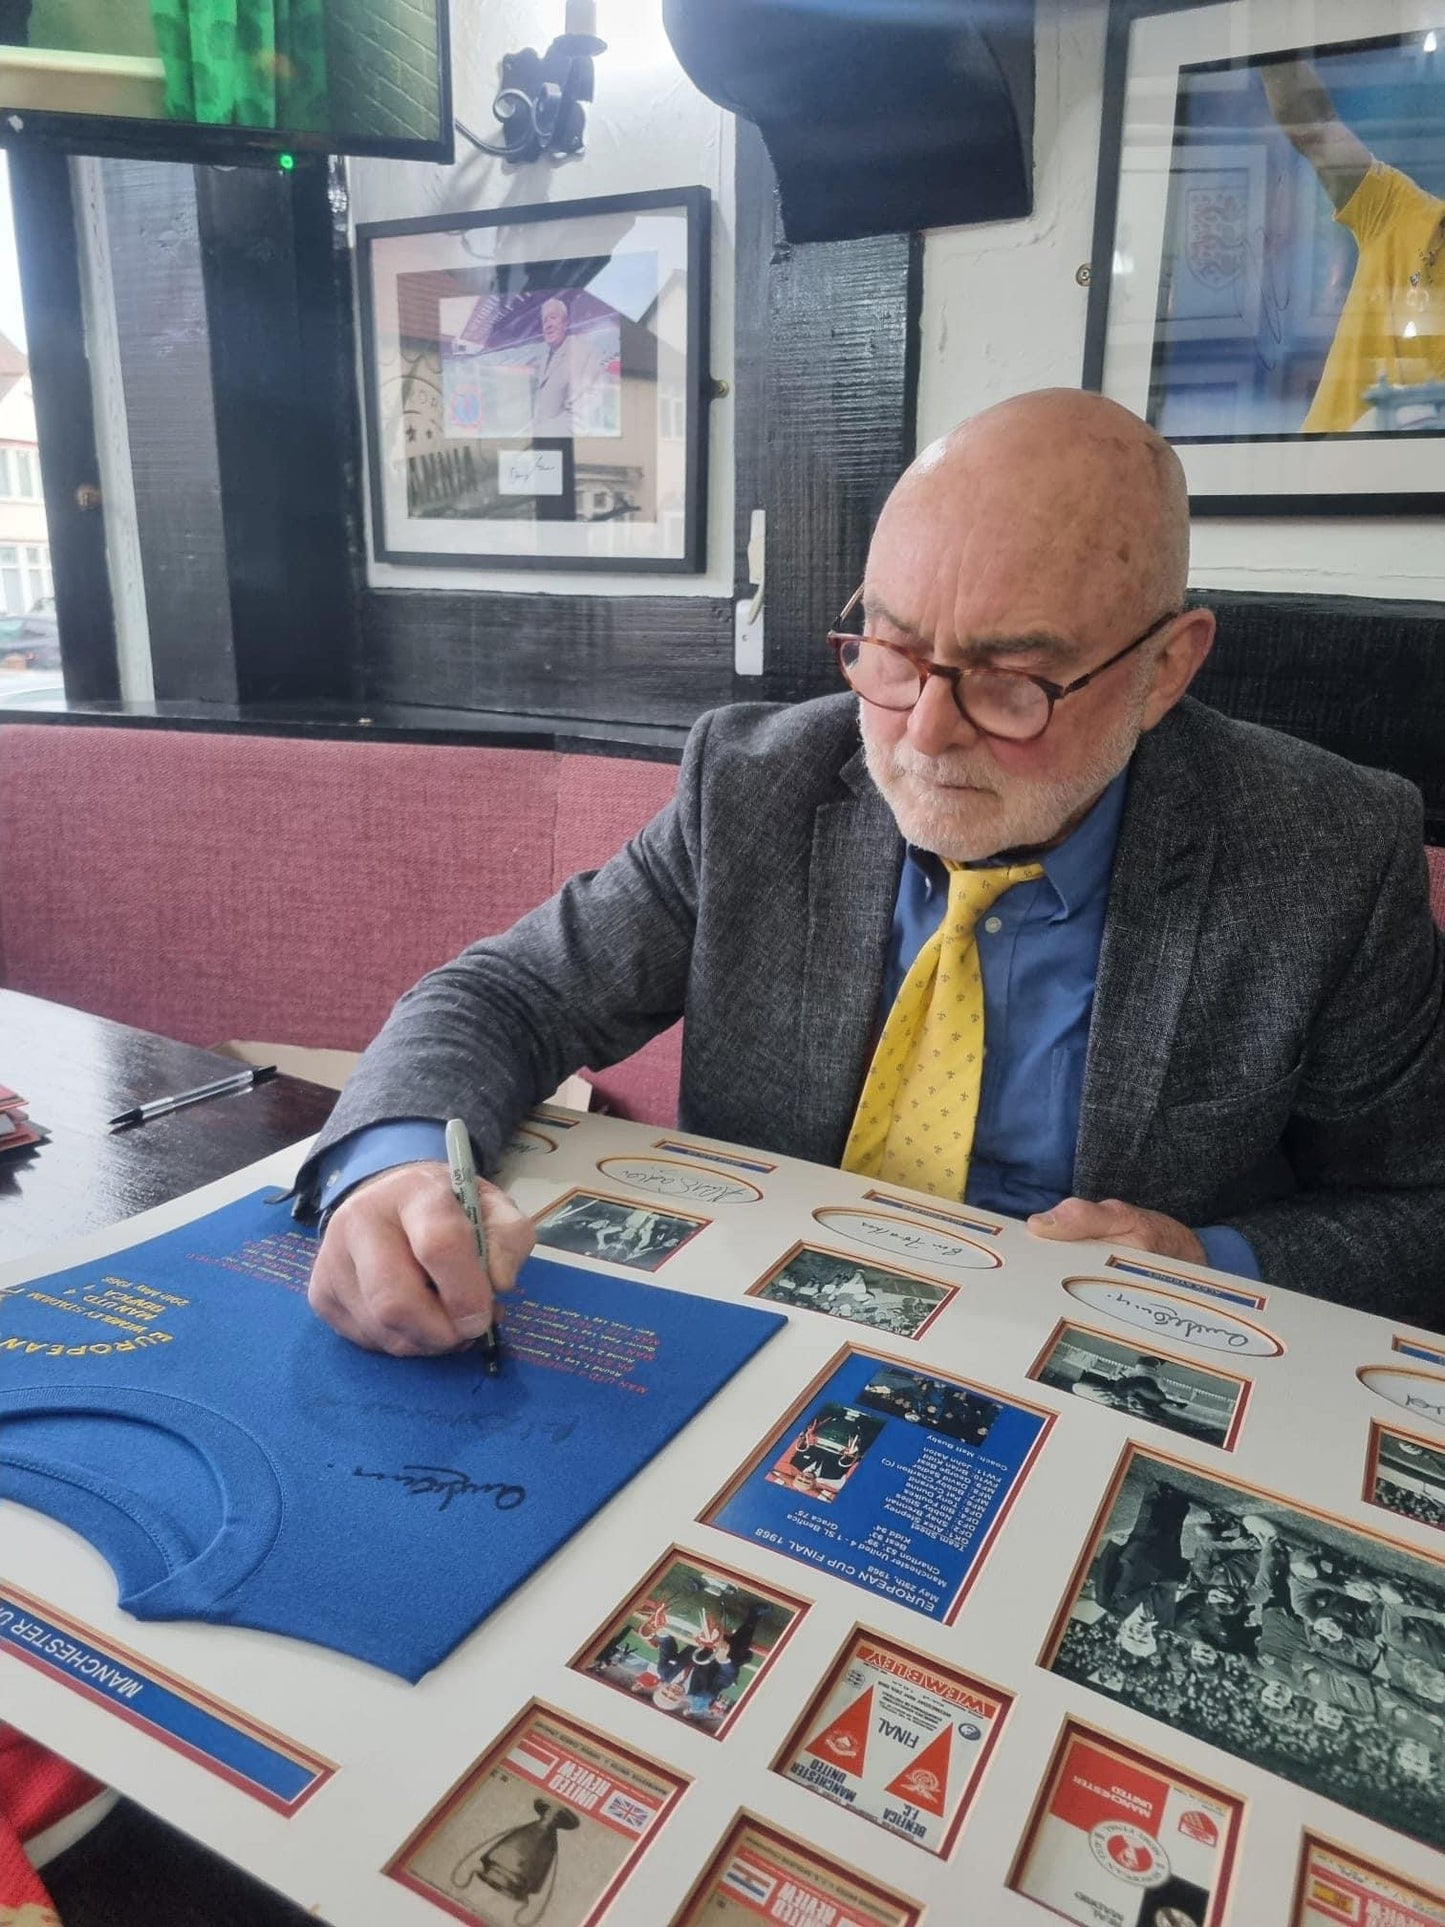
column 828, row 353
column 45, row 239
column 627, row 659
column 279, row 341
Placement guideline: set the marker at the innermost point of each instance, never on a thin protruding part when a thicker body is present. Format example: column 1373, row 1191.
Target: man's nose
column 935, row 723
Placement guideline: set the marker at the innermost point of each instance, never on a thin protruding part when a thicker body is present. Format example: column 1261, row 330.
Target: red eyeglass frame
column 957, row 673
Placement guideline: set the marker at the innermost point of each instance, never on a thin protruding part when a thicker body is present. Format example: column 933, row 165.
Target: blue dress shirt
column 1039, row 955
column 1038, row 951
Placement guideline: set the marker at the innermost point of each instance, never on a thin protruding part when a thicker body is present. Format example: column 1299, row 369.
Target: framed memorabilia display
column 1114, row 1599
column 1268, row 280
column 536, row 383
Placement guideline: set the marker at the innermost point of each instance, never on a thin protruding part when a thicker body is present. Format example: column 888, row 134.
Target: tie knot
column 971, row 892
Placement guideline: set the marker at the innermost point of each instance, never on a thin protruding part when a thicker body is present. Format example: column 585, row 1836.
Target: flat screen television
column 218, row 80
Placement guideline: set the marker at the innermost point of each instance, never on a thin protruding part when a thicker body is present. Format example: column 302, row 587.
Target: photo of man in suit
column 568, row 377
column 1189, row 963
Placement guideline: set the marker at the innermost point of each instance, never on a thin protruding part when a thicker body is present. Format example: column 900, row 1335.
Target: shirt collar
column 1078, row 869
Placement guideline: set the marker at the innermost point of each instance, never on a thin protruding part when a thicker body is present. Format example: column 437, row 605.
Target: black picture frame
column 1359, row 473
column 548, row 255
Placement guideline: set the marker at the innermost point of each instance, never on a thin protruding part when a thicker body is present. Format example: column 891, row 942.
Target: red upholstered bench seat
column 210, row 886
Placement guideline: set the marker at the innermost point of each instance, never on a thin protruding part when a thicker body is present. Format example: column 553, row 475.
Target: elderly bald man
column 1200, row 953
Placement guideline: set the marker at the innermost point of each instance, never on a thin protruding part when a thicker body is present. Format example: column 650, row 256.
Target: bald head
column 1059, row 497
column 1048, row 537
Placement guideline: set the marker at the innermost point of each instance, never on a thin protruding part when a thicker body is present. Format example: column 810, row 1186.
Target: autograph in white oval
column 525, row 1142
column 907, row 1238
column 1171, row 1316
column 1419, row 1392
column 673, row 1178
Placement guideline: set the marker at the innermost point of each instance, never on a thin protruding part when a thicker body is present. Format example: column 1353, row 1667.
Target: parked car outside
column 31, row 641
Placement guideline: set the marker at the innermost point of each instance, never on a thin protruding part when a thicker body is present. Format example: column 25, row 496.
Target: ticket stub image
column 1338, row 1889
column 1119, row 1839
column 897, row 1737
column 545, row 1826
column 759, row 1874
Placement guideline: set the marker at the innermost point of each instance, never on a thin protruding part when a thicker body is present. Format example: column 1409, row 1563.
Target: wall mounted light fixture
column 542, row 101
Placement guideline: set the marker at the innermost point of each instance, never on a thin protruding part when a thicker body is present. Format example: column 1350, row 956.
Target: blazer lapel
column 853, row 873
column 1161, row 879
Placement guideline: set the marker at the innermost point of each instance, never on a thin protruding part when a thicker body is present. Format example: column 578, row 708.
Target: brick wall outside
column 383, row 68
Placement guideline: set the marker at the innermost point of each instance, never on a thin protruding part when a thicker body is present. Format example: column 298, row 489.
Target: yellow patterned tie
column 919, row 1106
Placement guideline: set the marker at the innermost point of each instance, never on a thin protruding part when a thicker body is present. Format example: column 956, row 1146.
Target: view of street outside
column 29, row 637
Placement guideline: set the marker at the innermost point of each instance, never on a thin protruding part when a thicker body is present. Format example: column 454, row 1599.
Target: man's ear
column 1178, row 660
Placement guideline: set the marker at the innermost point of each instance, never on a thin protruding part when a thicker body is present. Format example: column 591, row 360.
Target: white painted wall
column 648, row 128
column 1003, row 313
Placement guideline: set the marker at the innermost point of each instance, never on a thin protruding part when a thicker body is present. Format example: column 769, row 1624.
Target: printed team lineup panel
column 399, row 1752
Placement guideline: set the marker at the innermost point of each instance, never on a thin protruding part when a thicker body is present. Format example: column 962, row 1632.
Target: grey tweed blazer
column 1267, row 1047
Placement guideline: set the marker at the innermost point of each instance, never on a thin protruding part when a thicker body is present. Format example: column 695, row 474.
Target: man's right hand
column 398, row 1269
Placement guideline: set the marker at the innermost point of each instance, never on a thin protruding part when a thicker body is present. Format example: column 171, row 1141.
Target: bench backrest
column 210, row 886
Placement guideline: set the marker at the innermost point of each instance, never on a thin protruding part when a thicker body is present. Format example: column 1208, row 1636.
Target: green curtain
column 244, row 63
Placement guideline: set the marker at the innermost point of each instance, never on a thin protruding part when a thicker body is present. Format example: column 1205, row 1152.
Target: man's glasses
column 1000, row 702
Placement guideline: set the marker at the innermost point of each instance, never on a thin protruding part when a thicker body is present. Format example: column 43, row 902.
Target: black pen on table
column 162, row 1106
column 464, row 1189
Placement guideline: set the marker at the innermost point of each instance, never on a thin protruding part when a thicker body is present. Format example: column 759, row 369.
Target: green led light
column 286, row 162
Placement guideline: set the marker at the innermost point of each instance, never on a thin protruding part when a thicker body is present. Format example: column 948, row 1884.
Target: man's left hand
column 1111, row 1221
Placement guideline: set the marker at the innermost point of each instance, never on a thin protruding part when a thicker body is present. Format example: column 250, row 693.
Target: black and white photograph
column 593, row 1226
column 1406, row 1475
column 1310, row 1648
column 939, row 1404
column 536, row 384
column 1144, row 1384
column 1269, row 292
column 811, row 1278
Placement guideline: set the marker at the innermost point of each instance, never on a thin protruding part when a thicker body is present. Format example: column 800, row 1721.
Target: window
column 19, row 474
column 25, row 579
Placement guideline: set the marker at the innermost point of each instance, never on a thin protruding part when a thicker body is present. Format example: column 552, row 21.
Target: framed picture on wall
column 1268, row 279
column 537, row 385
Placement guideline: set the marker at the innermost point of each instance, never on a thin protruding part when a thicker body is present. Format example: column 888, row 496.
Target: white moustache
column 955, row 769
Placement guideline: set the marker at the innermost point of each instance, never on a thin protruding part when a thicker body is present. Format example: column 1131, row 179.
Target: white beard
column 996, row 811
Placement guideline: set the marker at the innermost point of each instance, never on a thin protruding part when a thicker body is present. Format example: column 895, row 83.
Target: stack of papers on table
column 17, row 1133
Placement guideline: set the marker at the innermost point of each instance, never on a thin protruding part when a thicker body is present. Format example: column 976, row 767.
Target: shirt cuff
column 375, row 1147
column 1226, row 1249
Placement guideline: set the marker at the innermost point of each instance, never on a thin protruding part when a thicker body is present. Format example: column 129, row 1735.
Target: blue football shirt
column 235, row 1461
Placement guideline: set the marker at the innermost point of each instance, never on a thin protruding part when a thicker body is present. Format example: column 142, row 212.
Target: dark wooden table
column 78, row 1071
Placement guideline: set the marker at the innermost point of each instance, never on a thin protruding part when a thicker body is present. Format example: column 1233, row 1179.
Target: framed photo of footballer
column 1142, row 1382
column 537, row 384
column 593, row 1225
column 885, row 1298
column 693, row 1640
column 1268, row 275
column 1309, row 1646
column 1405, row 1473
